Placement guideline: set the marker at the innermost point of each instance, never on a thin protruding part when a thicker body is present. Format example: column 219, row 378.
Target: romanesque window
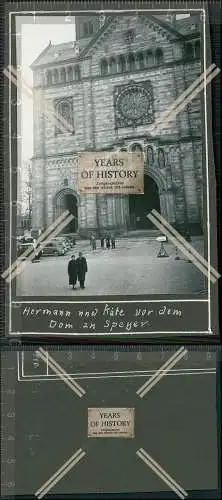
column 104, row 67
column 140, row 59
column 112, row 65
column 55, row 76
column 122, row 64
column 70, row 73
column 77, row 73
column 86, row 29
column 149, row 58
column 159, row 56
column 64, row 109
column 150, row 156
column 131, row 62
column 63, row 75
column 49, row 78
column 188, row 51
column 136, row 147
column 161, row 158
column 65, row 182
column 90, row 28
column 197, row 49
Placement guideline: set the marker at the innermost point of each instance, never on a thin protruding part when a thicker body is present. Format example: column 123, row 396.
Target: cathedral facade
column 111, row 86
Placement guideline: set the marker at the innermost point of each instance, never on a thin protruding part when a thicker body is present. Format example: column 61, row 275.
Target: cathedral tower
column 86, row 26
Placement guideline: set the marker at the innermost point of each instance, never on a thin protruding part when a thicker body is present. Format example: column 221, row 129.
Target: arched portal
column 67, row 200
column 140, row 205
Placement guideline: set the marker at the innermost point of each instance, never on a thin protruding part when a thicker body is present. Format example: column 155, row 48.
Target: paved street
column 132, row 268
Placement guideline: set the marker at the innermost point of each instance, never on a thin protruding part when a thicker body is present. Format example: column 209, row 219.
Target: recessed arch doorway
column 140, row 205
column 66, row 199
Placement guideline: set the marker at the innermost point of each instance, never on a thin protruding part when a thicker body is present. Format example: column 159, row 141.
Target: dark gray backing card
column 177, row 421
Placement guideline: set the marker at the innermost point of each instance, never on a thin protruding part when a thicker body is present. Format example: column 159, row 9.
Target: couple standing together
column 77, row 269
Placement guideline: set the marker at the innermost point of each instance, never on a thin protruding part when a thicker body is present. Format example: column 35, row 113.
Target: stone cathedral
column 111, row 84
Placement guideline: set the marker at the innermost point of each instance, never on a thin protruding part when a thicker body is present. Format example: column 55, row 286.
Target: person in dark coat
column 102, row 242
column 108, row 242
column 113, row 242
column 81, row 269
column 72, row 271
column 93, row 243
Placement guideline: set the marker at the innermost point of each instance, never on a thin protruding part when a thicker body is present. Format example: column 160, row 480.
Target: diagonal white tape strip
column 42, row 237
column 181, row 493
column 63, row 467
column 161, row 375
column 186, row 101
column 62, row 474
column 20, row 83
column 59, row 370
column 22, row 265
column 185, row 243
column 182, row 97
column 186, row 252
column 165, row 365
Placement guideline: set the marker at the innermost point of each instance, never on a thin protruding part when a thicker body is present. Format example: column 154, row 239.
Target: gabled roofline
column 161, row 23
column 166, row 26
column 32, row 66
column 97, row 35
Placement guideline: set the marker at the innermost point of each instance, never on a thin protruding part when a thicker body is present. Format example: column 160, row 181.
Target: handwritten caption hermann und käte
column 104, row 318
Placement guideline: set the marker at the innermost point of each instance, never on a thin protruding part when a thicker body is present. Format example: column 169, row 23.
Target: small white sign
column 111, row 422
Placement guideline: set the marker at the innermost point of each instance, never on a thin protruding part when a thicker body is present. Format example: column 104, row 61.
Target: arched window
column 161, row 158
column 188, row 51
column 90, row 28
column 122, row 64
column 150, row 156
column 159, row 56
column 86, row 29
column 140, row 59
column 77, row 73
column 112, row 65
column 49, row 78
column 64, row 110
column 197, row 49
column 65, row 182
column 104, row 67
column 131, row 62
column 149, row 58
column 63, row 75
column 70, row 73
column 136, row 147
column 55, row 77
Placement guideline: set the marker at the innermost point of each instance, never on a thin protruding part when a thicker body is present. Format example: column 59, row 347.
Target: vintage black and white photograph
column 112, row 82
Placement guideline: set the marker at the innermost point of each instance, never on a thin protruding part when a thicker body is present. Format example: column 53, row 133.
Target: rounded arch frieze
column 157, row 177
column 66, row 190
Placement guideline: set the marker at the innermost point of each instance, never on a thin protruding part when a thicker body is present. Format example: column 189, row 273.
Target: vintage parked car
column 22, row 247
column 53, row 249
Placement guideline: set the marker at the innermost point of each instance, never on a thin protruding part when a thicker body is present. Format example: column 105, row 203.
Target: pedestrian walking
column 113, row 242
column 82, row 269
column 102, row 241
column 93, row 243
column 72, row 271
column 108, row 242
